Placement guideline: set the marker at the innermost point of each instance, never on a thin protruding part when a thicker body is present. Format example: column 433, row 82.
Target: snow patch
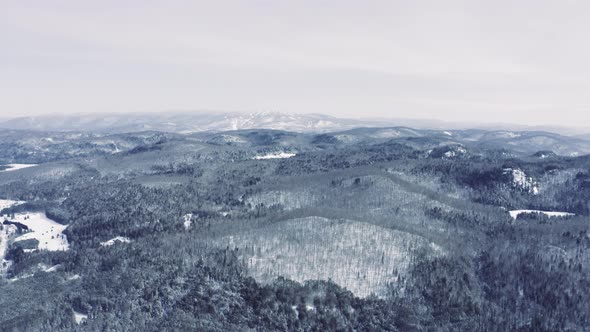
column 80, row 317
column 455, row 152
column 6, row 203
column 73, row 277
column 275, row 155
column 232, row 139
column 46, row 268
column 520, row 180
column 387, row 133
column 5, row 234
column 450, row 154
column 15, row 167
column 187, row 221
column 20, row 277
column 114, row 240
column 48, row 232
column 514, row 213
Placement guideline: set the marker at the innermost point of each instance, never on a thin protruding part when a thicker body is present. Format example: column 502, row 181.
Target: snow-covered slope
column 522, row 181
column 277, row 155
column 185, row 122
column 362, row 257
column 515, row 213
column 6, row 203
column 16, row 167
column 48, row 232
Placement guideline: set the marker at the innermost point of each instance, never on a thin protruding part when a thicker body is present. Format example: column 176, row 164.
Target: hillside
column 363, row 229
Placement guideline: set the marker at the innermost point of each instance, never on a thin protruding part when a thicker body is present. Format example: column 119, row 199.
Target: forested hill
column 371, row 229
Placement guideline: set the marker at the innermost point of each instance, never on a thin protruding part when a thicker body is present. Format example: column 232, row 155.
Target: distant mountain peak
column 185, row 122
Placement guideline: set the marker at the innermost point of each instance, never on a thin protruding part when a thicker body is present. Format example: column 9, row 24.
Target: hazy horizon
column 461, row 61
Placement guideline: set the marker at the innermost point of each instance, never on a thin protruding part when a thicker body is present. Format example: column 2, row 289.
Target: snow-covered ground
column 46, row 268
column 14, row 167
column 514, row 213
column 187, row 221
column 114, row 240
column 455, row 152
column 362, row 257
column 6, row 203
column 5, row 234
column 522, row 181
column 276, row 155
column 79, row 317
column 48, row 232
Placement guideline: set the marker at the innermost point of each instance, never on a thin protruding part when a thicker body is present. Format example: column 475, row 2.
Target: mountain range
column 202, row 121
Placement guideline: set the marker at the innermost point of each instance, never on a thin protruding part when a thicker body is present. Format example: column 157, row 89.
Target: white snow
column 515, row 213
column 455, row 151
column 187, row 220
column 450, row 154
column 5, row 234
column 356, row 255
column 79, row 317
column 232, row 139
column 47, row 268
column 53, row 268
column 276, row 155
column 73, row 277
column 6, row 203
column 14, row 167
column 387, row 133
column 48, row 232
column 20, row 277
column 520, row 180
column 114, row 240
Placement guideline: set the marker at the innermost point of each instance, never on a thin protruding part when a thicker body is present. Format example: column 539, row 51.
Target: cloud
column 452, row 59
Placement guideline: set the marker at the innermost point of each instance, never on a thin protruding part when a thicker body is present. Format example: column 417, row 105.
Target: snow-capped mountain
column 185, row 122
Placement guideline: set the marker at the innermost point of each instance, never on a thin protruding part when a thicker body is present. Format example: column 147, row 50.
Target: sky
column 524, row 61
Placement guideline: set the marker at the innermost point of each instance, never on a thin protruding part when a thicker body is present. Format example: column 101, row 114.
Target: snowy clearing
column 15, row 167
column 276, row 155
column 514, row 213
column 114, row 240
column 6, row 203
column 48, row 232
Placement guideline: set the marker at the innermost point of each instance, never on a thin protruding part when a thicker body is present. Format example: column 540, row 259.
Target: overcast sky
column 486, row 61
